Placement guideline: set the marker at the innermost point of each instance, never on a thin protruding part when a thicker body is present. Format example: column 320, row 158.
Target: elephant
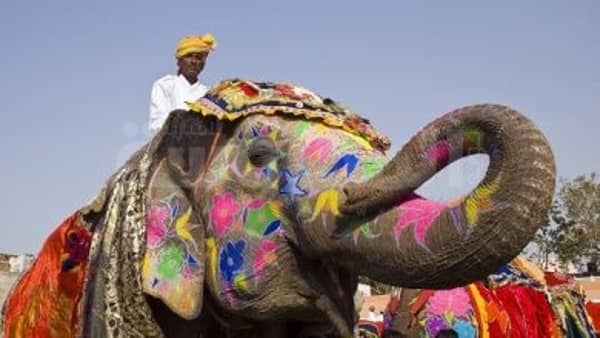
column 512, row 302
column 254, row 212
column 518, row 300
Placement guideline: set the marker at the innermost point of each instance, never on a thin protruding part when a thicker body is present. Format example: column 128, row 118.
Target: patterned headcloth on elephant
column 195, row 44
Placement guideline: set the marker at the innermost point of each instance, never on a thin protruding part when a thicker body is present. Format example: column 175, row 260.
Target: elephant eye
column 262, row 151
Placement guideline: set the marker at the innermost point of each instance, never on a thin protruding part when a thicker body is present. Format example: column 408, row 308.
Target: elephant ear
column 174, row 262
column 185, row 142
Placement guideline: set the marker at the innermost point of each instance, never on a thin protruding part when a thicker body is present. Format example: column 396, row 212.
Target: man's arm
column 159, row 107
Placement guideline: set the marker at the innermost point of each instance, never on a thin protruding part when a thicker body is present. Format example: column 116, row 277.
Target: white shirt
column 170, row 92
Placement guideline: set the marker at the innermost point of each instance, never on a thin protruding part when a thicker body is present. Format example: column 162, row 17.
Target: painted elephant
column 259, row 207
column 509, row 303
column 516, row 301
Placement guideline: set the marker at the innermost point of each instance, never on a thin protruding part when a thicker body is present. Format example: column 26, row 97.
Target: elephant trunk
column 426, row 244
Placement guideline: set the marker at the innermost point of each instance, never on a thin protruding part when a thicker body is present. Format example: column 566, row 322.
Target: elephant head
column 271, row 200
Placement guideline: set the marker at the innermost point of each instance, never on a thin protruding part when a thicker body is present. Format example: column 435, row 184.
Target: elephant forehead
column 234, row 99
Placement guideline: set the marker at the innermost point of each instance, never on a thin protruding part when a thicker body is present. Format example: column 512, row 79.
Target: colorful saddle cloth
column 233, row 99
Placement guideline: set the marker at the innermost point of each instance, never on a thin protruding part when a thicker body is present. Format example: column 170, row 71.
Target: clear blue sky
column 75, row 78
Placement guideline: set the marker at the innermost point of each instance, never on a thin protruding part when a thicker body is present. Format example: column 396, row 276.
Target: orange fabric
column 593, row 310
column 45, row 300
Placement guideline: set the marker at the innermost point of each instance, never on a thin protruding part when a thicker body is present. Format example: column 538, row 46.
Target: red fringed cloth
column 530, row 313
column 498, row 319
column 547, row 321
column 85, row 284
column 520, row 309
column 44, row 302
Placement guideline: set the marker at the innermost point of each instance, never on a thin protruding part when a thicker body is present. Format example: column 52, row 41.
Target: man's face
column 190, row 65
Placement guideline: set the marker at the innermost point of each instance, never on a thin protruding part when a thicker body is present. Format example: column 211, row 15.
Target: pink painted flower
column 455, row 301
column 224, row 209
column 317, row 151
column 157, row 224
column 419, row 212
column 265, row 254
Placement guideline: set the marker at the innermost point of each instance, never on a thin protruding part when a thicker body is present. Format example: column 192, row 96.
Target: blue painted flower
column 464, row 329
column 231, row 259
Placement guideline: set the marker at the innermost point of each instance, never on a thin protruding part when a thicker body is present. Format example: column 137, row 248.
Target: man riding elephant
column 170, row 92
column 254, row 212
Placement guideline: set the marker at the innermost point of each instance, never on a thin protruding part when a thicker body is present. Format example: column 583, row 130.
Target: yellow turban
column 195, row 44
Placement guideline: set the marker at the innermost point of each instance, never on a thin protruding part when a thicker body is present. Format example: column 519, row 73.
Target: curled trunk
column 425, row 244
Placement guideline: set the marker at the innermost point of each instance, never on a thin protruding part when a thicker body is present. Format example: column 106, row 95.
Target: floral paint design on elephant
column 419, row 214
column 467, row 140
column 327, row 206
column 244, row 249
column 324, row 158
column 241, row 258
column 245, row 229
column 350, row 158
column 330, row 158
column 223, row 212
column 173, row 256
